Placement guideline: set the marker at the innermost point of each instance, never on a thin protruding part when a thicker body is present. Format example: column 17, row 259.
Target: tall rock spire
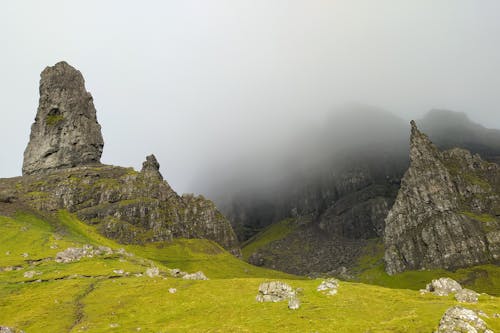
column 65, row 133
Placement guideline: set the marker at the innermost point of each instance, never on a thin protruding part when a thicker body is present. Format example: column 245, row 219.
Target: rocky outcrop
column 458, row 319
column 275, row 291
column 467, row 296
column 329, row 287
column 62, row 171
column 66, row 132
column 73, row 254
column 151, row 168
column 125, row 205
column 195, row 276
column 443, row 287
column 446, row 214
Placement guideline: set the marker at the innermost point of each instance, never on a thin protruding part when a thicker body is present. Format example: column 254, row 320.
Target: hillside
column 105, row 293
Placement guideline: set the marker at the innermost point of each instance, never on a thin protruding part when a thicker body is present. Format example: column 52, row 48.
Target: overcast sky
column 200, row 82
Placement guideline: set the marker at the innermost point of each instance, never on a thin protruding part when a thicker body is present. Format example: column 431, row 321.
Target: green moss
column 475, row 178
column 53, row 120
column 485, row 218
column 37, row 194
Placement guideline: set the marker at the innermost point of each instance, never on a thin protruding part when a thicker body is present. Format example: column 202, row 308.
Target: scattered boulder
column 459, row 319
column 177, row 273
column 73, row 254
column 119, row 271
column 329, row 286
column 443, row 287
column 172, row 290
column 195, row 276
column 274, row 291
column 152, row 272
column 31, row 274
column 10, row 268
column 467, row 296
column 294, row 303
column 5, row 329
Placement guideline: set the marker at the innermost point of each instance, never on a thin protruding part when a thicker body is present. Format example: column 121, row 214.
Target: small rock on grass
column 294, row 303
column 467, row 296
column 459, row 319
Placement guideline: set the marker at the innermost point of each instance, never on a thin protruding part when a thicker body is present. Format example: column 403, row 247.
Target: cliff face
column 331, row 227
column 62, row 171
column 446, row 214
column 65, row 133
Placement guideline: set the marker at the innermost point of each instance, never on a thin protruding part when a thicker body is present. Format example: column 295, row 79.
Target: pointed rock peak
column 151, row 167
column 65, row 133
column 420, row 144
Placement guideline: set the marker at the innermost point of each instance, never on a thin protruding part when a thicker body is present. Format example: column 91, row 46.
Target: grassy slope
column 272, row 233
column 226, row 303
column 370, row 267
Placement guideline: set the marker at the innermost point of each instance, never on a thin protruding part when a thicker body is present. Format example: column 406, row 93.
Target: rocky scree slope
column 447, row 212
column 62, row 170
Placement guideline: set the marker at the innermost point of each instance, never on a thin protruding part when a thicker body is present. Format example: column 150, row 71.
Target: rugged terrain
column 346, row 210
column 87, row 247
column 62, row 170
column 119, row 291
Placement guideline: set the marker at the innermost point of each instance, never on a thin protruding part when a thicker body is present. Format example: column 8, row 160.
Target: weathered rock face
column 446, row 214
column 126, row 205
column 66, row 132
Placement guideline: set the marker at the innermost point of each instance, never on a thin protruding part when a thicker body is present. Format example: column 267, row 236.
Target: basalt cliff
column 62, row 170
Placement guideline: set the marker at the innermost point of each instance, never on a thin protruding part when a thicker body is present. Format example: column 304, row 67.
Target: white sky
column 198, row 82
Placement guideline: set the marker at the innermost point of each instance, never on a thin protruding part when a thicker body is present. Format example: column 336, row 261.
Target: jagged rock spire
column 435, row 221
column 151, row 167
column 65, row 133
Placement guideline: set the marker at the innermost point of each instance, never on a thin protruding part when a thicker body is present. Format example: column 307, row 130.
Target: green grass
column 370, row 270
column 225, row 303
column 272, row 233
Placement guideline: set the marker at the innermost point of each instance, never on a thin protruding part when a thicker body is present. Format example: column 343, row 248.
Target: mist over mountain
column 451, row 129
column 357, row 144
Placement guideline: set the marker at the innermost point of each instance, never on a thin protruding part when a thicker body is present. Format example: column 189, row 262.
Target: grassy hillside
column 89, row 296
column 370, row 266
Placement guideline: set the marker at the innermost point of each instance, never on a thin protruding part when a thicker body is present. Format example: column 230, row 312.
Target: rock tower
column 65, row 133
